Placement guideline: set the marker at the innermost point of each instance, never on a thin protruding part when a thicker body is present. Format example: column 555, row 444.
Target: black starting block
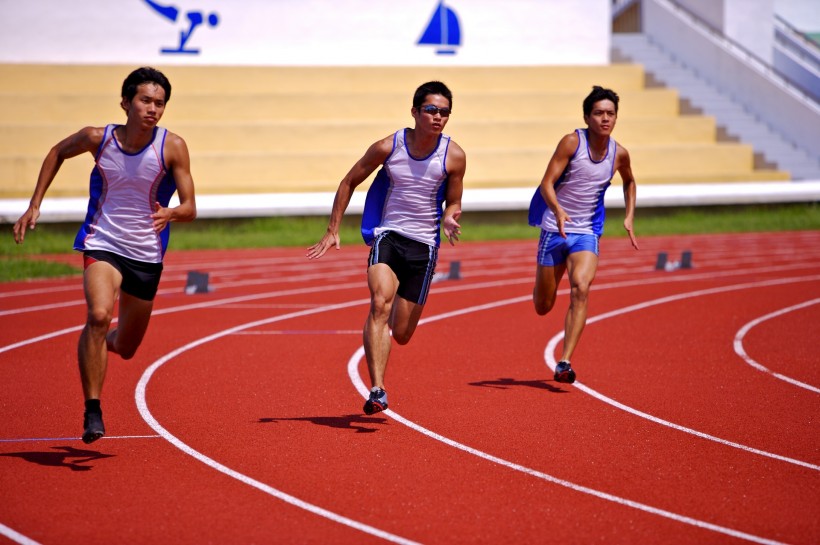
column 664, row 264
column 197, row 283
column 453, row 274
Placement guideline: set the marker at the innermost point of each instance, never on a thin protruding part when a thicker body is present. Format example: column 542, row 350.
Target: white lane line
column 739, row 350
column 245, row 479
column 15, row 536
column 353, row 373
column 51, row 439
column 303, row 332
column 364, row 391
column 271, row 490
column 469, row 274
column 194, row 306
column 550, row 360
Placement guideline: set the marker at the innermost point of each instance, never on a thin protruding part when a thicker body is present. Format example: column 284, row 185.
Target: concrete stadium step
column 97, row 109
column 46, row 79
column 357, row 135
column 276, row 170
column 265, row 129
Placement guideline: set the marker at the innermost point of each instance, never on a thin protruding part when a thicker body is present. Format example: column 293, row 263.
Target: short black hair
column 146, row 74
column 431, row 88
column 599, row 93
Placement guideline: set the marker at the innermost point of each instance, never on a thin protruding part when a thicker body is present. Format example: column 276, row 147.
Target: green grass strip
column 18, row 262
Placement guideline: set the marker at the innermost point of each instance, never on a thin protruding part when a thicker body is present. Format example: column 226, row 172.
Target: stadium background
column 277, row 99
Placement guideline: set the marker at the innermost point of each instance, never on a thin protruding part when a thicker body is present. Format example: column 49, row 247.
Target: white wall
column 302, row 32
column 745, row 81
column 804, row 15
column 749, row 23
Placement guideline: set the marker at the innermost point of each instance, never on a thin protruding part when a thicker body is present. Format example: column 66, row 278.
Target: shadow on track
column 71, row 458
column 505, row 383
column 355, row 422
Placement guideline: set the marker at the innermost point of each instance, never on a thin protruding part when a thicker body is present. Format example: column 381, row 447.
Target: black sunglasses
column 432, row 110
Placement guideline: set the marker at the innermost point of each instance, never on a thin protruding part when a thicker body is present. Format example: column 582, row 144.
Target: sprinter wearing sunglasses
column 415, row 195
column 569, row 208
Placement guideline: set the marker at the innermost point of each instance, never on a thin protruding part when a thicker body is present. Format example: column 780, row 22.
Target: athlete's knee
column 402, row 336
column 125, row 348
column 99, row 318
column 380, row 306
column 580, row 292
column 127, row 352
column 542, row 304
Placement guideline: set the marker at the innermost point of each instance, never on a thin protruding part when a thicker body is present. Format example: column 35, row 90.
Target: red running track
column 694, row 418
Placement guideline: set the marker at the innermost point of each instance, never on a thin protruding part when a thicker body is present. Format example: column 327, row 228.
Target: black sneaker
column 564, row 372
column 376, row 403
column 94, row 428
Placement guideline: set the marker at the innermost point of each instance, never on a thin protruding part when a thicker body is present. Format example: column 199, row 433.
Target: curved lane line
column 550, row 360
column 142, row 406
column 193, row 306
column 353, row 373
column 16, row 536
column 140, row 393
column 745, row 329
column 496, row 271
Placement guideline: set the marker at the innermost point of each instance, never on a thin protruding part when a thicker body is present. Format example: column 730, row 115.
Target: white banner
column 306, row 32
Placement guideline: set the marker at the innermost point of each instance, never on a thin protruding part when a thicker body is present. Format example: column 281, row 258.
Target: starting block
column 453, row 274
column 197, row 283
column 664, row 264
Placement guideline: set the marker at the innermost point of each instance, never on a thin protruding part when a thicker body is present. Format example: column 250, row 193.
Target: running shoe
column 376, row 402
column 94, row 428
column 564, row 372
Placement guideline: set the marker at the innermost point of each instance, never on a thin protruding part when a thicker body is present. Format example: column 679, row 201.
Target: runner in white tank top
column 123, row 240
column 413, row 190
column 580, row 189
column 124, row 189
column 568, row 207
column 422, row 170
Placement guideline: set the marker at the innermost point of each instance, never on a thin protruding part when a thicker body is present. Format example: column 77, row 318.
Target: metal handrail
column 743, row 54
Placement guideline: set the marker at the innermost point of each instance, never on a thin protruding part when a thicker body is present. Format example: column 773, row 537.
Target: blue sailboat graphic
column 443, row 30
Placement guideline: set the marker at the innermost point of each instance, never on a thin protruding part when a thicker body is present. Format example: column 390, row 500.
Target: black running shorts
column 139, row 278
column 413, row 262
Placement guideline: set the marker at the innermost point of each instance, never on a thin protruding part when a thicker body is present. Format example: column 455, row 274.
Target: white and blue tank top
column 123, row 190
column 580, row 190
column 407, row 194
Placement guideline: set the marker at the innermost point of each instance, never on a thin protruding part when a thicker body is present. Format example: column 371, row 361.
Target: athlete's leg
column 101, row 282
column 383, row 284
column 546, row 287
column 581, row 268
column 132, row 322
column 404, row 319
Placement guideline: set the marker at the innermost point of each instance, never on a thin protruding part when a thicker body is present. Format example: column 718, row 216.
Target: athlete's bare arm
column 624, row 168
column 456, row 166
column 87, row 139
column 179, row 163
column 375, row 155
column 559, row 161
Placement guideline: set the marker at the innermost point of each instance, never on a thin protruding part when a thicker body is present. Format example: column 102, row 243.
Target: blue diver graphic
column 443, row 30
column 195, row 18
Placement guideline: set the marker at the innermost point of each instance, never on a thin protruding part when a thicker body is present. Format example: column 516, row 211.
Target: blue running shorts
column 553, row 249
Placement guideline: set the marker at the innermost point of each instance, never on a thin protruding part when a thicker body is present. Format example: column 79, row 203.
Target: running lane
column 252, row 381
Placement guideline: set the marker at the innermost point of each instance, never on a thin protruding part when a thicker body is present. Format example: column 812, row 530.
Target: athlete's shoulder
column 568, row 144
column 93, row 134
column 621, row 157
column 383, row 147
column 175, row 149
column 455, row 150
